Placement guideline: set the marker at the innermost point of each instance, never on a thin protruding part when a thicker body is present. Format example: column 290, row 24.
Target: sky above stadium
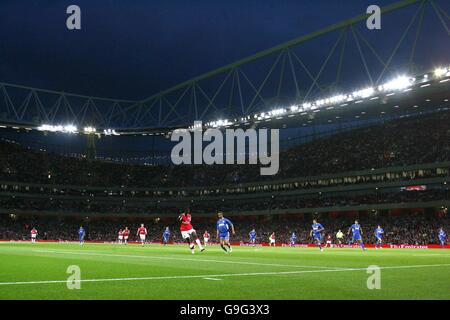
column 132, row 49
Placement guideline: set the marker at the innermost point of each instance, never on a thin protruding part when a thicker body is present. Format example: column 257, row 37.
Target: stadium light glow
column 277, row 112
column 110, row 132
column 58, row 128
column 90, row 130
column 337, row 99
column 364, row 93
column 399, row 83
column 70, row 128
column 440, row 72
column 306, row 106
column 294, row 108
column 220, row 123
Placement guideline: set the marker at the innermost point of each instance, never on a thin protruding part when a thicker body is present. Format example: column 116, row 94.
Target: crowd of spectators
column 412, row 229
column 407, row 141
column 88, row 205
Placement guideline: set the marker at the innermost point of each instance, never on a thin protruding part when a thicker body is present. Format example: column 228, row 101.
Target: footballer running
column 188, row 232
column 223, row 232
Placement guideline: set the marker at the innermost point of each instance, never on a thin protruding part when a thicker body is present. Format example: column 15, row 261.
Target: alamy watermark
column 263, row 147
column 74, row 280
column 374, row 20
column 73, row 21
column 374, row 280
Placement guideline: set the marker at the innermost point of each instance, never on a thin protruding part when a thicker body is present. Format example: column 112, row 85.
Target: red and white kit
column 272, row 238
column 126, row 233
column 329, row 241
column 142, row 231
column 206, row 237
column 34, row 234
column 186, row 226
column 120, row 235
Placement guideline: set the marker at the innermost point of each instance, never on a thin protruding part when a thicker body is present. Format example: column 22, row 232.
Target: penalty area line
column 216, row 275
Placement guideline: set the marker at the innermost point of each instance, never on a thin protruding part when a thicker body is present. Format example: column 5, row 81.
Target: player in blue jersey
column 166, row 235
column 442, row 236
column 223, row 232
column 316, row 233
column 293, row 239
column 379, row 237
column 81, row 234
column 356, row 233
column 252, row 236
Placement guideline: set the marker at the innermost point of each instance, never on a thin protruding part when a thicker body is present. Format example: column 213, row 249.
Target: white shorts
column 142, row 236
column 33, row 236
column 187, row 234
column 206, row 240
column 272, row 241
column 120, row 237
column 329, row 242
column 126, row 237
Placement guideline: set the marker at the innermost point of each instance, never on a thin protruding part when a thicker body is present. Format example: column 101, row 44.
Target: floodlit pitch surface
column 108, row 271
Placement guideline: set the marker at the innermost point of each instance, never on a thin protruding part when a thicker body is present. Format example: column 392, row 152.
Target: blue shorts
column 379, row 238
column 224, row 236
column 442, row 239
column 81, row 238
column 317, row 236
column 356, row 237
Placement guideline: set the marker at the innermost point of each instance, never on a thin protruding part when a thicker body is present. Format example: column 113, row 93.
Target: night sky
column 132, row 49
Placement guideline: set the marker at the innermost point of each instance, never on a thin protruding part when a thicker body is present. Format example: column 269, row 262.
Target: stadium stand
column 406, row 141
column 404, row 163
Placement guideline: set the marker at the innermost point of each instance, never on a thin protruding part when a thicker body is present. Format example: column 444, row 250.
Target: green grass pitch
column 109, row 271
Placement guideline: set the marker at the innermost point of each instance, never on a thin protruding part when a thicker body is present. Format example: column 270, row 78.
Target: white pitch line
column 431, row 254
column 214, row 279
column 218, row 275
column 189, row 259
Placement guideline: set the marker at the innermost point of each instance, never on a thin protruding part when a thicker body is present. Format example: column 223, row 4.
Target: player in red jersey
column 120, row 236
column 188, row 232
column 126, row 234
column 206, row 238
column 272, row 239
column 329, row 241
column 142, row 233
column 34, row 234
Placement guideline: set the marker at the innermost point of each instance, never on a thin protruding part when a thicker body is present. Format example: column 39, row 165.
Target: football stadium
column 253, row 151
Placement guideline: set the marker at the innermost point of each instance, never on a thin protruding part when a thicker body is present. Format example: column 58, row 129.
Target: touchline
column 260, row 149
